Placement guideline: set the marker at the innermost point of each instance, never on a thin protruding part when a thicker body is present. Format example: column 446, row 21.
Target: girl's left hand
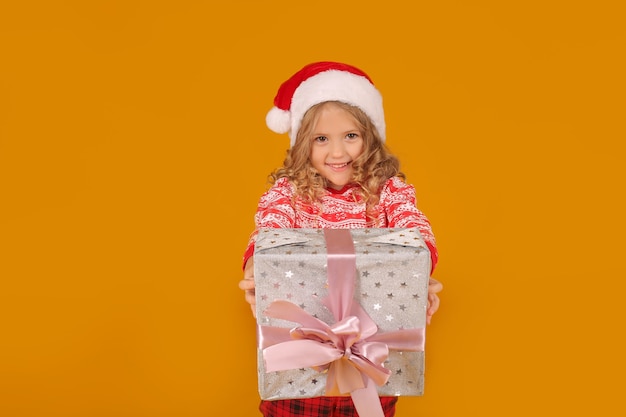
column 434, row 287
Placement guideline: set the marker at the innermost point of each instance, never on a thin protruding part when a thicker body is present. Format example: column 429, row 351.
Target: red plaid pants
column 320, row 407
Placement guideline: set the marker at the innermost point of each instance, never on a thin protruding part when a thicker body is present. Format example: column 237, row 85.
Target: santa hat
column 319, row 82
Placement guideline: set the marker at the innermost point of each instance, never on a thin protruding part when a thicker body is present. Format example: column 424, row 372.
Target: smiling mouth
column 338, row 166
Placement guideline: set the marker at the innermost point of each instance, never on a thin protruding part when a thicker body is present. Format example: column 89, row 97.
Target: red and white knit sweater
column 341, row 209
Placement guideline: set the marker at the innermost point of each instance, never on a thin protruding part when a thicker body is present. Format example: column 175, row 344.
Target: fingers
column 434, row 286
column 249, row 295
column 246, row 284
column 433, row 306
column 248, row 271
column 250, row 298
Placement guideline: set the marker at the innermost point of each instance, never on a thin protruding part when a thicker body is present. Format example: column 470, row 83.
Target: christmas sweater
column 341, row 209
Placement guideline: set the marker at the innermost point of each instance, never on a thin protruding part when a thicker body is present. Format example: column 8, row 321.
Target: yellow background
column 133, row 151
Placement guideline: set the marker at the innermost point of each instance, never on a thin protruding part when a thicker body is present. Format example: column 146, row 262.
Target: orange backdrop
column 133, row 151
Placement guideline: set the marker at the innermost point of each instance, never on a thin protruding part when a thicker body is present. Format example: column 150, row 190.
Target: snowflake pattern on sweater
column 341, row 209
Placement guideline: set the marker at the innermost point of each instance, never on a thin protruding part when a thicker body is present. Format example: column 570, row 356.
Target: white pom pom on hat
column 319, row 82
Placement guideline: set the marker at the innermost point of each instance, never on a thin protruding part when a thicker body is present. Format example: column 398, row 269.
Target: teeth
column 338, row 165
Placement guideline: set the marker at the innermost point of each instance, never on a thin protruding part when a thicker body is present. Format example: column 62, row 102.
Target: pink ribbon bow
column 351, row 350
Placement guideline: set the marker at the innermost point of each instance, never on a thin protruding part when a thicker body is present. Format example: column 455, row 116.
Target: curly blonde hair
column 372, row 168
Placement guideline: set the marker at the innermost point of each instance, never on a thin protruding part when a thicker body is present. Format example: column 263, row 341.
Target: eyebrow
column 355, row 130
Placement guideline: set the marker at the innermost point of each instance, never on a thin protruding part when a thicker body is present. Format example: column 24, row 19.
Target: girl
column 338, row 173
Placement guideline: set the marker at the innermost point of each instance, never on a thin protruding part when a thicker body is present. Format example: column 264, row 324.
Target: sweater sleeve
column 275, row 210
column 400, row 205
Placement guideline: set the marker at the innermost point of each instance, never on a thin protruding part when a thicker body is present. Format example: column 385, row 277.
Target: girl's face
column 337, row 142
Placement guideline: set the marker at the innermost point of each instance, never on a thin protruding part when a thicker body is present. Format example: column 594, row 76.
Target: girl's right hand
column 247, row 285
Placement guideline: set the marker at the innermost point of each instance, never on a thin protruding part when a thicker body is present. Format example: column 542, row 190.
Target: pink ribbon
column 351, row 350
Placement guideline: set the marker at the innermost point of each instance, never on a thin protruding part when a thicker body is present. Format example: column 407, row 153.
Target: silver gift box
column 393, row 268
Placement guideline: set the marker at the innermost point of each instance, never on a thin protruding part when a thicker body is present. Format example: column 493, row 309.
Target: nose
column 337, row 148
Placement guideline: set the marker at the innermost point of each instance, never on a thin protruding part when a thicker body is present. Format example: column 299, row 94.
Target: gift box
column 341, row 312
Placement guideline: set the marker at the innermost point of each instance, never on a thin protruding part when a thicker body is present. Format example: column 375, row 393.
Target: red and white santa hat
column 319, row 82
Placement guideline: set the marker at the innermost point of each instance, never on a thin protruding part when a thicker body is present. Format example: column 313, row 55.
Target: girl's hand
column 434, row 287
column 247, row 285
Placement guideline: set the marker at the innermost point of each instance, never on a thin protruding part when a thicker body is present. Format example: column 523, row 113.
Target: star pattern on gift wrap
column 314, row 381
column 392, row 291
column 277, row 285
column 377, row 306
